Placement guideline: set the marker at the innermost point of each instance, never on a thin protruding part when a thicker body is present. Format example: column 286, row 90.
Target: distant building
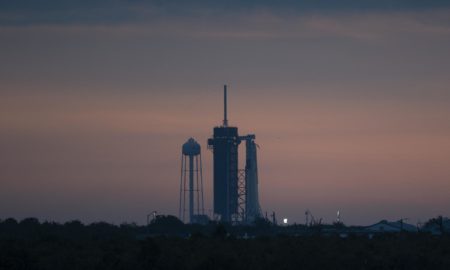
column 385, row 226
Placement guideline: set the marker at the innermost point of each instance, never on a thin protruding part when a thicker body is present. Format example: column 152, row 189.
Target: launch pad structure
column 235, row 190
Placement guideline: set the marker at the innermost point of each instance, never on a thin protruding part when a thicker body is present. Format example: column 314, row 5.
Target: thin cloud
column 94, row 12
column 267, row 25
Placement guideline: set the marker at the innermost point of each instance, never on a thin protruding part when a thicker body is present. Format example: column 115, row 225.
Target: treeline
column 169, row 244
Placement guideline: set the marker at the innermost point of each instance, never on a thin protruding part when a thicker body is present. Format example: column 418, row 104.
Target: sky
column 349, row 101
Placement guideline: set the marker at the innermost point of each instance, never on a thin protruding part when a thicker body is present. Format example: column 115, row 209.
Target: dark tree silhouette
column 29, row 244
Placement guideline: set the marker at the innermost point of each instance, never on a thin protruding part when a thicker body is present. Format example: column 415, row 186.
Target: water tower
column 191, row 183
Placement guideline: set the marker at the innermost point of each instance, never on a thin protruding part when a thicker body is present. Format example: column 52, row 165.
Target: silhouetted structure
column 191, row 165
column 252, row 208
column 235, row 191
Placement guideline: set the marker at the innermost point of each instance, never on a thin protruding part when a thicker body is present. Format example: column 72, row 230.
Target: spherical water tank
column 191, row 148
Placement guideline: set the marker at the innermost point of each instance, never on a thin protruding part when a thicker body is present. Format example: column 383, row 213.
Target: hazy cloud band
column 26, row 12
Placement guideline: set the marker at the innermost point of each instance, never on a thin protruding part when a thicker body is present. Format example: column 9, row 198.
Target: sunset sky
column 349, row 101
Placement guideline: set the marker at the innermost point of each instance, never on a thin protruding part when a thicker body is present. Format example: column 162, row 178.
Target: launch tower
column 235, row 191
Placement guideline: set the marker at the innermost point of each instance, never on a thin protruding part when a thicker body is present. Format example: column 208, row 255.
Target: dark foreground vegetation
column 168, row 244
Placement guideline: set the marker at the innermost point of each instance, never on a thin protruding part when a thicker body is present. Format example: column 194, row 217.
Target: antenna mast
column 225, row 120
